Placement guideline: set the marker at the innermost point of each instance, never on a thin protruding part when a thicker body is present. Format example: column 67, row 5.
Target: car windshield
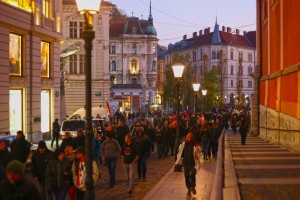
column 72, row 125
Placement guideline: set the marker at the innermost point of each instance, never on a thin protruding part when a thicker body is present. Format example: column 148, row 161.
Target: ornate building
column 279, row 82
column 74, row 74
column 30, row 33
column 234, row 53
column 133, row 62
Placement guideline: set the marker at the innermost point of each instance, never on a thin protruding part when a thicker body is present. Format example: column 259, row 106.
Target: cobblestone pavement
column 157, row 168
column 265, row 171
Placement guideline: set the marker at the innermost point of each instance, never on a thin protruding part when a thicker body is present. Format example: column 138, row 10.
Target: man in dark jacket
column 5, row 156
column 79, row 140
column 39, row 162
column 122, row 130
column 16, row 186
column 244, row 127
column 67, row 141
column 20, row 148
column 144, row 144
column 55, row 132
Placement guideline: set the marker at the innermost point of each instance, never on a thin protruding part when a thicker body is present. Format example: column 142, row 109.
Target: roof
column 103, row 3
column 251, row 36
column 127, row 86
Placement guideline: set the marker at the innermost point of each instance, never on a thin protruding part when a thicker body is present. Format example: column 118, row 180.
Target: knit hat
column 42, row 145
column 15, row 166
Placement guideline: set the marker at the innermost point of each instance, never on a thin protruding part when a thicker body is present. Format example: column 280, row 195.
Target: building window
column 127, row 102
column 24, row 4
column 82, row 64
column 112, row 49
column 194, row 56
column 15, row 55
column 231, row 69
column 240, row 83
column 154, row 66
column 218, row 54
column 134, row 66
column 113, row 65
column 250, row 70
column 249, row 84
column 241, row 56
column 201, row 55
column 45, row 111
column 47, row 9
column 134, row 81
column 154, row 49
column 231, row 83
column 249, row 57
column 231, row 55
column 134, row 49
column 45, row 59
column 213, row 55
column 15, row 111
column 75, row 29
column 73, row 64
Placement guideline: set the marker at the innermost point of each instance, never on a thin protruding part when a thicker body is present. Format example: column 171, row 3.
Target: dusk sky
column 175, row 18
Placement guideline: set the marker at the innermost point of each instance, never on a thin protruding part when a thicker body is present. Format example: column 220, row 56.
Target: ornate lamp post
column 178, row 71
column 196, row 87
column 204, row 95
column 88, row 9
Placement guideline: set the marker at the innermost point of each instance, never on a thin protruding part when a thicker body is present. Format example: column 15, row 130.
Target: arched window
column 154, row 66
column 231, row 70
column 194, row 56
column 134, row 81
column 231, row 55
column 134, row 65
column 113, row 65
column 213, row 55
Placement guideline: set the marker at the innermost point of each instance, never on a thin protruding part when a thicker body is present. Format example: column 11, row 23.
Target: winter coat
column 5, row 158
column 144, row 144
column 20, row 149
column 39, row 164
column 67, row 142
column 58, row 174
column 78, row 142
column 197, row 155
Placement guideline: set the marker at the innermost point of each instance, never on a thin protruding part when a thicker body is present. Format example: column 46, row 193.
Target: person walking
column 243, row 129
column 150, row 132
column 129, row 156
column 191, row 152
column 70, row 157
column 122, row 130
column 79, row 140
column 111, row 150
column 144, row 144
column 67, row 141
column 5, row 155
column 205, row 139
column 55, row 132
column 16, row 186
column 39, row 161
column 20, row 148
column 58, row 175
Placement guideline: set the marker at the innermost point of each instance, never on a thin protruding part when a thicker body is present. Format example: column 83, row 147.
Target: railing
column 217, row 189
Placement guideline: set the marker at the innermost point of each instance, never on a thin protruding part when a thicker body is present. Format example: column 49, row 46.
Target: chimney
column 237, row 31
column 208, row 30
column 228, row 30
column 223, row 28
column 184, row 37
column 200, row 32
column 194, row 34
column 245, row 32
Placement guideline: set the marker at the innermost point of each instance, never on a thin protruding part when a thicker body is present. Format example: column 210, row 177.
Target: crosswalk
column 263, row 170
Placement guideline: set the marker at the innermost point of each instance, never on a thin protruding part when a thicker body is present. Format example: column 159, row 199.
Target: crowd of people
column 131, row 140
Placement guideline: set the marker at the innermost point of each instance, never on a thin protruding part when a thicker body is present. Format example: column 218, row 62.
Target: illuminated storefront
column 15, row 111
column 45, row 111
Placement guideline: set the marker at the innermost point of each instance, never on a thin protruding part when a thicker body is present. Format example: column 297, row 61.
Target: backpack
column 76, row 163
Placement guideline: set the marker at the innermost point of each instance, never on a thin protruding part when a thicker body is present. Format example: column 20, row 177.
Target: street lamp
column 196, row 87
column 88, row 9
column 204, row 94
column 178, row 71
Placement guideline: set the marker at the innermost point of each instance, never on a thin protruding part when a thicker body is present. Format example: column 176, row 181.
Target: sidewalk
column 172, row 185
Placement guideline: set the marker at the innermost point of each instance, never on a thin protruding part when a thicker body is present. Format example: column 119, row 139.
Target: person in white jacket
column 190, row 151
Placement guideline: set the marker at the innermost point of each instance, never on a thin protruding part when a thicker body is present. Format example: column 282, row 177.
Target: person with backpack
column 79, row 173
column 111, row 150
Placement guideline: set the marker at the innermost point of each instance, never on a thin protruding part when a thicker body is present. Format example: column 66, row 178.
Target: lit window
column 15, row 55
column 15, row 111
column 46, row 9
column 45, row 59
column 154, row 66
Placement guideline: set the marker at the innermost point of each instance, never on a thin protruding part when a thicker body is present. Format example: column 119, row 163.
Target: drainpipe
column 30, row 138
column 260, row 60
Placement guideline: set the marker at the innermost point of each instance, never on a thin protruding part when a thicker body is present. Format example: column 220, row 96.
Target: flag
column 108, row 108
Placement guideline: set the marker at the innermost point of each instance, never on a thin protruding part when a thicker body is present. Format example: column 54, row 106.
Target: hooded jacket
column 20, row 149
column 39, row 163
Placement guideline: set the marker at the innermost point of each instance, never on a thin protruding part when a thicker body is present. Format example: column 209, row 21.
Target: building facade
column 161, row 68
column 233, row 52
column 74, row 67
column 133, row 62
column 30, row 34
column 279, row 83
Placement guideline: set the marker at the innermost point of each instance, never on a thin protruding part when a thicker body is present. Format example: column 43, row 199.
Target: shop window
column 15, row 55
column 45, row 59
column 15, row 111
column 45, row 111
column 127, row 103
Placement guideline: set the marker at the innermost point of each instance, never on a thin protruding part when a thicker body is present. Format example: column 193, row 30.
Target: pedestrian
column 191, row 152
column 39, row 161
column 172, row 137
column 233, row 122
column 129, row 157
column 166, row 136
column 20, row 148
column 243, row 129
column 122, row 130
column 67, row 141
column 111, row 150
column 70, row 157
column 150, row 132
column 96, row 150
column 55, row 132
column 58, row 173
column 79, row 140
column 5, row 155
column 16, row 186
column 79, row 173
column 159, row 144
column 205, row 139
column 144, row 145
